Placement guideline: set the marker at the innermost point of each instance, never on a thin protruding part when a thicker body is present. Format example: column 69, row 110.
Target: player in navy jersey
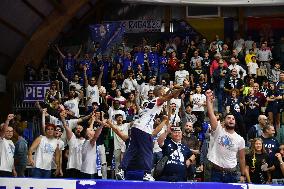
column 139, row 154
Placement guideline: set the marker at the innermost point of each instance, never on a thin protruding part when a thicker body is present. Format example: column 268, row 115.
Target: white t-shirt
column 177, row 101
column 146, row 118
column 112, row 112
column 73, row 106
column 180, row 75
column 198, row 100
column 61, row 148
column 119, row 144
column 45, row 152
column 252, row 67
column 89, row 158
column 7, row 149
column 72, row 123
column 93, row 93
column 76, row 85
column 129, row 85
column 223, row 147
column 238, row 44
column 75, row 153
column 145, row 88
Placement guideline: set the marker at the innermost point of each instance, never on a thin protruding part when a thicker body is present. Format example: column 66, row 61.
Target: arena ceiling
column 21, row 20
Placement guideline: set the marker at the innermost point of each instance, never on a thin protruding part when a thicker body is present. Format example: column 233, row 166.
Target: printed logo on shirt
column 70, row 106
column 48, row 149
column 11, row 149
column 226, row 142
column 92, row 93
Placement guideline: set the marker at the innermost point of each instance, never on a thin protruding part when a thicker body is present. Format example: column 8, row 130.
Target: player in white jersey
column 139, row 154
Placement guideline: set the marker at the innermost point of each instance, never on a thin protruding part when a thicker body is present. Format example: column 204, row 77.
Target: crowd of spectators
column 95, row 100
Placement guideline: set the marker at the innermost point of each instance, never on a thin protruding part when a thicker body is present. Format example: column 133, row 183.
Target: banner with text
column 107, row 34
column 140, row 26
column 35, row 91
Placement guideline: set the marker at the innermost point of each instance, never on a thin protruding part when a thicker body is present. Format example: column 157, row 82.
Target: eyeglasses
column 58, row 130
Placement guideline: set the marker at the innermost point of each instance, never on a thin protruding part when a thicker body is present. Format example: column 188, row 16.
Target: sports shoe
column 120, row 175
column 148, row 177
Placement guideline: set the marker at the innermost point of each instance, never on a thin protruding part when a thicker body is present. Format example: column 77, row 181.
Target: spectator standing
column 228, row 143
column 21, row 152
column 7, row 149
column 180, row 156
column 258, row 163
column 45, row 147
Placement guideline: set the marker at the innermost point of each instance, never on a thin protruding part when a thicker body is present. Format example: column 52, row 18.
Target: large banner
column 140, row 26
column 107, row 34
column 35, row 90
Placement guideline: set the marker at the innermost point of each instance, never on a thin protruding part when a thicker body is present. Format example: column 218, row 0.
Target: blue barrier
column 31, row 183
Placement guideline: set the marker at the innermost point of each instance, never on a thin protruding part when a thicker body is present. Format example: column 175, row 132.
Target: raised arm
column 99, row 83
column 59, row 51
column 163, row 136
column 85, row 76
column 160, row 126
column 210, row 109
column 120, row 134
column 169, row 96
column 6, row 124
column 65, row 79
column 44, row 111
column 78, row 53
column 68, row 130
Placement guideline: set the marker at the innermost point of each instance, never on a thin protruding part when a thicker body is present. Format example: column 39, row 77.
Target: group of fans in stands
column 212, row 109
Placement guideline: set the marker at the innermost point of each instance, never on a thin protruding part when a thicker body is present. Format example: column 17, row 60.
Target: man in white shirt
column 129, row 84
column 119, row 144
column 224, row 147
column 146, row 87
column 240, row 70
column 92, row 89
column 239, row 43
column 89, row 150
column 7, row 149
column 73, row 103
column 181, row 74
column 264, row 56
column 75, row 143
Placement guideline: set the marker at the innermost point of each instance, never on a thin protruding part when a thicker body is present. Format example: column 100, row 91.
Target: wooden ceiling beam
column 36, row 48
column 34, row 9
column 13, row 28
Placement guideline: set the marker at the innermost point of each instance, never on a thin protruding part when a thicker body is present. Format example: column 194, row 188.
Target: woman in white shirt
column 44, row 148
